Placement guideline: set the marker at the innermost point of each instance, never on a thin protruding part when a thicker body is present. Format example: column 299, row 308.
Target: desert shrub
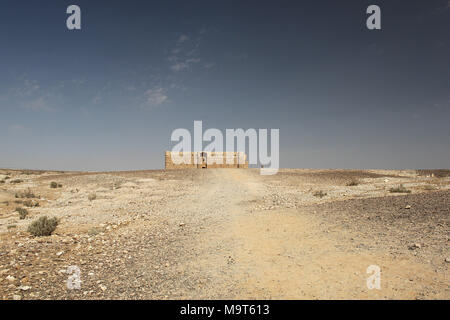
column 55, row 185
column 429, row 187
column 30, row 203
column 43, row 226
column 399, row 189
column 93, row 231
column 16, row 181
column 22, row 212
column 2, row 181
column 27, row 194
column 92, row 196
column 11, row 226
column 353, row 183
column 319, row 194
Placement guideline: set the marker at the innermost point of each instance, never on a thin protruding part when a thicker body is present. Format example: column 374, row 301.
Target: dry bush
column 43, row 226
column 399, row 189
column 429, row 187
column 319, row 194
column 353, row 183
column 27, row 194
column 22, row 212
column 16, row 181
column 30, row 203
column 94, row 231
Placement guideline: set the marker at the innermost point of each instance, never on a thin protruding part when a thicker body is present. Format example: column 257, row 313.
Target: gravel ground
column 227, row 233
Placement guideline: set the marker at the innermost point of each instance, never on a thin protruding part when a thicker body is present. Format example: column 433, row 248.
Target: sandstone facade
column 205, row 160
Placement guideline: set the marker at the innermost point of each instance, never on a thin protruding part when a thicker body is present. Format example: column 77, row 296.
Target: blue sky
column 107, row 97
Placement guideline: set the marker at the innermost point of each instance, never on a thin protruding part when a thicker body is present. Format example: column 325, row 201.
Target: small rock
column 415, row 246
column 408, row 207
column 10, row 278
column 447, row 259
column 59, row 253
column 24, row 288
column 17, row 297
column 181, row 224
column 103, row 287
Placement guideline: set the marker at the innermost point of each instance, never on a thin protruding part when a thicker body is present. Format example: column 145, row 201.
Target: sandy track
column 288, row 254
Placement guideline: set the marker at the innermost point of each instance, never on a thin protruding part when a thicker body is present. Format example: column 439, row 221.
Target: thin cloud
column 186, row 53
column 30, row 95
column 182, row 38
column 38, row 104
column 156, row 97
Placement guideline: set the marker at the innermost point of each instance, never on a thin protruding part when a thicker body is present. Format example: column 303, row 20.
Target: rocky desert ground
column 226, row 234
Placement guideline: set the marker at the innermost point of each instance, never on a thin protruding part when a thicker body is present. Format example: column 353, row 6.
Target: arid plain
column 226, row 234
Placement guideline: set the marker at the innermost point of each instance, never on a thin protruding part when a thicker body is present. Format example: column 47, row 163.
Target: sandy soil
column 226, row 234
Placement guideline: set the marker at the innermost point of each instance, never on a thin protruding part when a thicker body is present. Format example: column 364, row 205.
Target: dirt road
column 225, row 234
column 288, row 254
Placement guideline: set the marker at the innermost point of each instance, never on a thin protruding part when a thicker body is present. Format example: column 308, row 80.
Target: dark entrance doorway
column 203, row 160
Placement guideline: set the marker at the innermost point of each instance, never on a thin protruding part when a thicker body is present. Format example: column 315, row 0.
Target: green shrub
column 43, row 226
column 400, row 189
column 22, row 212
column 55, row 185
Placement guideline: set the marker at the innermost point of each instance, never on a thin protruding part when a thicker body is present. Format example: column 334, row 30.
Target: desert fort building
column 205, row 160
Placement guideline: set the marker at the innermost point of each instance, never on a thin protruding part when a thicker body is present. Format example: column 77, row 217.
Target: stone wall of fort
column 204, row 159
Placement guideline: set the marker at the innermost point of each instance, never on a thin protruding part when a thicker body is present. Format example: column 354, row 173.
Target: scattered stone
column 24, row 288
column 59, row 253
column 103, row 287
column 447, row 259
column 10, row 278
column 415, row 246
column 17, row 297
column 408, row 207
